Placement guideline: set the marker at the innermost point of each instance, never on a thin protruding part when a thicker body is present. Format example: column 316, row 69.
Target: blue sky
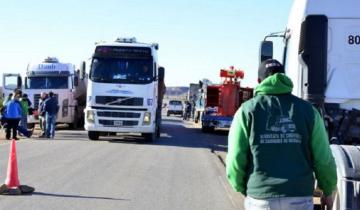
column 196, row 38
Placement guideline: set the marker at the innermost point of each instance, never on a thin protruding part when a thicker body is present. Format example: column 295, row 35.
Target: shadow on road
column 184, row 134
column 76, row 196
column 174, row 132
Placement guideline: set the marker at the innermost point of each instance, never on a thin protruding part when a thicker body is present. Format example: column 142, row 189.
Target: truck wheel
column 149, row 137
column 158, row 132
column 168, row 114
column 73, row 125
column 93, row 135
column 31, row 126
column 207, row 129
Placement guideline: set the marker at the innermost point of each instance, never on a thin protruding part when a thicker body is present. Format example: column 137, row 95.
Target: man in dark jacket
column 51, row 108
column 277, row 141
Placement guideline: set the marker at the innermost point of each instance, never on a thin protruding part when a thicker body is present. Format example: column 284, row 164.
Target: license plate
column 118, row 123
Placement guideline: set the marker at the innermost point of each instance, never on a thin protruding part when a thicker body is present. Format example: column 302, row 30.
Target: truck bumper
column 119, row 121
column 216, row 121
column 137, row 129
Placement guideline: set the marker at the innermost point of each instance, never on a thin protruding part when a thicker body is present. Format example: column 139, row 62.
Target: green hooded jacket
column 24, row 107
column 276, row 143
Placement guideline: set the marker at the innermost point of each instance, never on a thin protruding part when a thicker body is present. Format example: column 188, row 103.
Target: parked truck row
column 122, row 92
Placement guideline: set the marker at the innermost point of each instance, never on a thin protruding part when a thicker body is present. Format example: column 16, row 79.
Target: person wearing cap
column 276, row 143
column 51, row 108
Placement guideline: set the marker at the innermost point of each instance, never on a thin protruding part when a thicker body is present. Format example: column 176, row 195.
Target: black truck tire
column 93, row 135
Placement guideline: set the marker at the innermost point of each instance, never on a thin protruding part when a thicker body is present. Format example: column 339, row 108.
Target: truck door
column 11, row 82
column 343, row 61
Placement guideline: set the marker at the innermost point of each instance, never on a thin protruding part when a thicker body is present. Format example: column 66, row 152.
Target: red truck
column 223, row 100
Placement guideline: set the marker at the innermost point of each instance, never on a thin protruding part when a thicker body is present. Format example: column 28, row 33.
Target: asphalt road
column 177, row 171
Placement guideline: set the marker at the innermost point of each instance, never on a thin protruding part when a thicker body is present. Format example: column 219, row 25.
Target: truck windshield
column 46, row 83
column 117, row 70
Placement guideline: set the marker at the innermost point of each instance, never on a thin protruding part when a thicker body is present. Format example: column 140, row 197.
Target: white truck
column 125, row 90
column 68, row 85
column 322, row 57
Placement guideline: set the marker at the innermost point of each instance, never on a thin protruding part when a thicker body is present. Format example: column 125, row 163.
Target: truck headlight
column 90, row 116
column 147, row 118
column 65, row 107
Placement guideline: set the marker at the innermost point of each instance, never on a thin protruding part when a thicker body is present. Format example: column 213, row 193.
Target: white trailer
column 322, row 57
column 125, row 90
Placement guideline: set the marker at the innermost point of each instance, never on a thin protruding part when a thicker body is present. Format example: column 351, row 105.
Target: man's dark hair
column 17, row 91
column 269, row 67
column 51, row 94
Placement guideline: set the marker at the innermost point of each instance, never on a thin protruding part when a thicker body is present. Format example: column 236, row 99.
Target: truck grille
column 119, row 114
column 119, row 101
column 111, row 123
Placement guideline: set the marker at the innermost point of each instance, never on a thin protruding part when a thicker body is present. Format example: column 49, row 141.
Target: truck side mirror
column 82, row 70
column 266, row 50
column 19, row 82
column 161, row 74
column 76, row 81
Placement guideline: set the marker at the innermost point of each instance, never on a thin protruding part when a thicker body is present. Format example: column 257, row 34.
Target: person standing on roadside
column 51, row 108
column 41, row 111
column 276, row 143
column 13, row 114
column 25, row 105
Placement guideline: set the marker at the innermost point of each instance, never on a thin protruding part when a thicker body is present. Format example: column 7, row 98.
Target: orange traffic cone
column 12, row 179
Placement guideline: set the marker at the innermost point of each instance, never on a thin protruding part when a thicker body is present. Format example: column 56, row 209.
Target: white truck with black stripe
column 322, row 57
column 125, row 90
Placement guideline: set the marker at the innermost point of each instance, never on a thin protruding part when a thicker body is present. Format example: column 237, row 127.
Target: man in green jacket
column 277, row 142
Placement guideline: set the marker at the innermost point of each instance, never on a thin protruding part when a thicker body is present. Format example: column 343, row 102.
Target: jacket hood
column 278, row 83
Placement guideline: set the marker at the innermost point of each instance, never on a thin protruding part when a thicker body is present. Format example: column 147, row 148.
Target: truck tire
column 158, row 132
column 73, row 125
column 31, row 126
column 168, row 114
column 93, row 135
column 348, row 167
column 207, row 129
column 149, row 137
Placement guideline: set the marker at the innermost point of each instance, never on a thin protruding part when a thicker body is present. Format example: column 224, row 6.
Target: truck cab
column 125, row 89
column 64, row 81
